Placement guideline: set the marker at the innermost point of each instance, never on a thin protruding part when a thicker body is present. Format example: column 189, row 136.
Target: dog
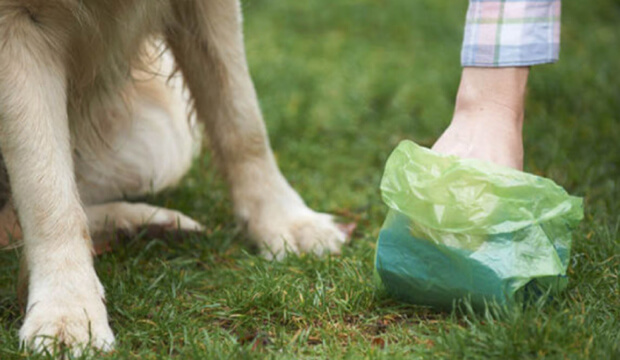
column 92, row 114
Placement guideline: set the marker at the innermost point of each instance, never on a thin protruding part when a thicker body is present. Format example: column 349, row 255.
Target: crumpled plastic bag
column 468, row 229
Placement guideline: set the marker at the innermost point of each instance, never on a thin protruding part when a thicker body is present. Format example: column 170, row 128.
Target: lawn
column 340, row 84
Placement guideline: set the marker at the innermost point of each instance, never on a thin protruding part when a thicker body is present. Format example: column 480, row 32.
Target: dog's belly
column 130, row 133
column 149, row 140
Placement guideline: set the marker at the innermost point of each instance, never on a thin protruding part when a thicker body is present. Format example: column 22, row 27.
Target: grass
column 340, row 85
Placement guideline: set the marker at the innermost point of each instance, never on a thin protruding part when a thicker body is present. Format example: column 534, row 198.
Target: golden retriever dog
column 91, row 114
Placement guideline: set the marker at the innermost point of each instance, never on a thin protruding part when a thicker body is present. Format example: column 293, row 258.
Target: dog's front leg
column 207, row 42
column 65, row 301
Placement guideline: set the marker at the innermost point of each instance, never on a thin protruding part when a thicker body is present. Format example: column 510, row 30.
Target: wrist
column 498, row 91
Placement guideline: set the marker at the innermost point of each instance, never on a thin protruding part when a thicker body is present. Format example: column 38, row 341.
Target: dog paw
column 132, row 216
column 297, row 232
column 128, row 219
column 56, row 321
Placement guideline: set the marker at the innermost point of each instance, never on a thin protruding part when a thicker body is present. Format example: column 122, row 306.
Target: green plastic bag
column 463, row 228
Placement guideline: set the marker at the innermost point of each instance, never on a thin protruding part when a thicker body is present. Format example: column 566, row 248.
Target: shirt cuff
column 500, row 33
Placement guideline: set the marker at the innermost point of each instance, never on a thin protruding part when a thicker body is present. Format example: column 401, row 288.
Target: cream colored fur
column 88, row 119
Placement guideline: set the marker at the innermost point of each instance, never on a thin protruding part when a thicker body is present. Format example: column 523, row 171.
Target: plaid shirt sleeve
column 511, row 33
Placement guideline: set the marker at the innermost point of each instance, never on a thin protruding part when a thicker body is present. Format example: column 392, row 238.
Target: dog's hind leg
column 206, row 40
column 10, row 230
column 65, row 302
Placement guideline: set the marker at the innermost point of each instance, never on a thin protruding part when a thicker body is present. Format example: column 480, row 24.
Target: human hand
column 488, row 117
